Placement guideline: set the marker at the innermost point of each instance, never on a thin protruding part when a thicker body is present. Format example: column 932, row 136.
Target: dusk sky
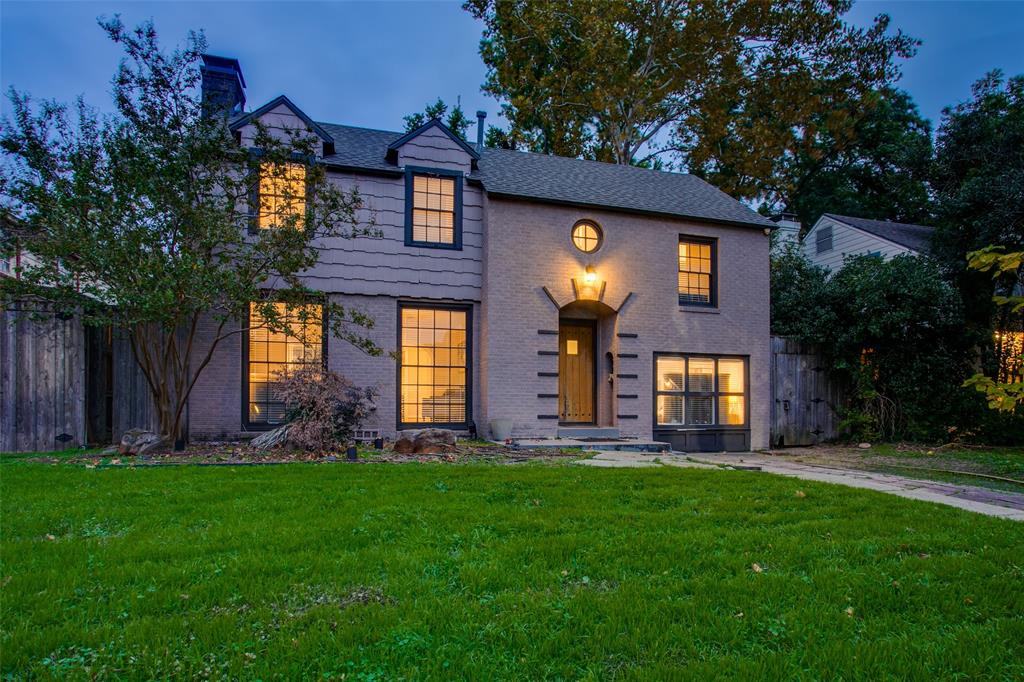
column 369, row 64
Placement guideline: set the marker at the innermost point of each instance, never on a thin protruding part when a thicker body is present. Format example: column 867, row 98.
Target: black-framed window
column 823, row 239
column 700, row 390
column 280, row 195
column 434, row 368
column 698, row 271
column 269, row 354
column 587, row 236
column 433, row 208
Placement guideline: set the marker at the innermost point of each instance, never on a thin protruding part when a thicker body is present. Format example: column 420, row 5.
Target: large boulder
column 139, row 442
column 433, row 441
column 424, row 441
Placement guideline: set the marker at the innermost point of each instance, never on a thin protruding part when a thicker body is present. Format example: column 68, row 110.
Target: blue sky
column 370, row 64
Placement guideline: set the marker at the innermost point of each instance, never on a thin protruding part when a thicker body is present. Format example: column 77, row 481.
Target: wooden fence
column 805, row 396
column 63, row 385
column 42, row 383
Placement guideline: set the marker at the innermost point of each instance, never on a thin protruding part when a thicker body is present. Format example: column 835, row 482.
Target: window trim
column 434, row 305
column 597, row 228
column 255, row 161
column 713, row 283
column 410, row 173
column 715, row 393
column 265, row 426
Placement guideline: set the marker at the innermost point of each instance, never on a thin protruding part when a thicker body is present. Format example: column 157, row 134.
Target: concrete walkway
column 1006, row 505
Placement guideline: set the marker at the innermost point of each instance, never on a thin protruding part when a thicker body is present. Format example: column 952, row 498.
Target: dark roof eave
column 635, row 211
column 435, row 123
column 247, row 118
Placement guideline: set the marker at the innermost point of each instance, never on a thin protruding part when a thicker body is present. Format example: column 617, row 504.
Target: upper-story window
column 282, row 195
column 587, row 236
column 697, row 272
column 823, row 241
column 433, row 211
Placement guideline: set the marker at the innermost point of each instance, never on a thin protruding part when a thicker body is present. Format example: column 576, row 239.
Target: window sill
column 434, row 245
column 707, row 310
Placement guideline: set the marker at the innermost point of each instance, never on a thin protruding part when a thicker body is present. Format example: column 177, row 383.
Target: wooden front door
column 576, row 373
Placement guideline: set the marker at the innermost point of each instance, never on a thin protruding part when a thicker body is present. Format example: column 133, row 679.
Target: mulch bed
column 241, row 454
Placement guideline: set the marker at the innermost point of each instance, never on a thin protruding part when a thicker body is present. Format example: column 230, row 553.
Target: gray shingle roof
column 915, row 237
column 563, row 180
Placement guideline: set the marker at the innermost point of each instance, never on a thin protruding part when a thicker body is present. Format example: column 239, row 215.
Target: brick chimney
column 223, row 87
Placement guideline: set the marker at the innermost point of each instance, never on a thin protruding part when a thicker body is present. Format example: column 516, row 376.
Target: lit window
column 282, row 195
column 700, row 391
column 1009, row 350
column 271, row 354
column 696, row 272
column 586, row 236
column 434, row 366
column 434, row 214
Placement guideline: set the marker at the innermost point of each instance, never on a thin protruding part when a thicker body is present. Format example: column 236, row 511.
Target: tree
column 978, row 177
column 797, row 287
column 140, row 220
column 881, row 171
column 455, row 119
column 735, row 87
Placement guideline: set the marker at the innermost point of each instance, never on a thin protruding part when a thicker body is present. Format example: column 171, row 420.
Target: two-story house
column 553, row 292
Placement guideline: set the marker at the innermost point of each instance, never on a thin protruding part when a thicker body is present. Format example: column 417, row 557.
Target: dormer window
column 282, row 196
column 433, row 208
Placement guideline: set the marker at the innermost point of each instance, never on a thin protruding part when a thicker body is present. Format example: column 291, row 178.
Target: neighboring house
column 787, row 231
column 835, row 237
column 553, row 292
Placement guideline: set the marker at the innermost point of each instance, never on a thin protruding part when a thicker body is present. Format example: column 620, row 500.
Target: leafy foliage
column 893, row 332
column 1005, row 396
column 140, row 220
column 978, row 178
column 797, row 288
column 453, row 117
column 325, row 407
column 740, row 90
column 876, row 168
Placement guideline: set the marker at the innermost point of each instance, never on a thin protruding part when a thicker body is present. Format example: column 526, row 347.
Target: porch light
column 589, row 287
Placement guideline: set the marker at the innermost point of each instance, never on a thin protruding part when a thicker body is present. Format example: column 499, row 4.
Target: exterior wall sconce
column 589, row 287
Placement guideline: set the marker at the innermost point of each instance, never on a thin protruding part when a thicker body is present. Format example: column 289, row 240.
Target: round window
column 587, row 236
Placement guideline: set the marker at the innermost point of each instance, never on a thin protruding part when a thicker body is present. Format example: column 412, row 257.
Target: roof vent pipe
column 480, row 116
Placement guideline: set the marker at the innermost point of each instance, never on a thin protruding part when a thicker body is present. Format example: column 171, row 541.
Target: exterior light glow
column 589, row 287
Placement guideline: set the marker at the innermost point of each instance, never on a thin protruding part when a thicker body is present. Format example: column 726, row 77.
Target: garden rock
column 139, row 442
column 425, row 442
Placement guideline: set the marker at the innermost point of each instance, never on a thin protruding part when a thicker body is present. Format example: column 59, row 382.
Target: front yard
column 424, row 571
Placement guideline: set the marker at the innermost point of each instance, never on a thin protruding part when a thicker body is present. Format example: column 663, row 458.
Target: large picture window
column 433, row 208
column 700, row 391
column 282, row 195
column 271, row 354
column 434, row 366
column 697, row 272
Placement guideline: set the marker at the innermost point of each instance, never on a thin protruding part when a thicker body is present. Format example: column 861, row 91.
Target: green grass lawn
column 374, row 572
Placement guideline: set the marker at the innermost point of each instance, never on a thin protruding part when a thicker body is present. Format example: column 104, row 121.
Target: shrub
column 325, row 408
